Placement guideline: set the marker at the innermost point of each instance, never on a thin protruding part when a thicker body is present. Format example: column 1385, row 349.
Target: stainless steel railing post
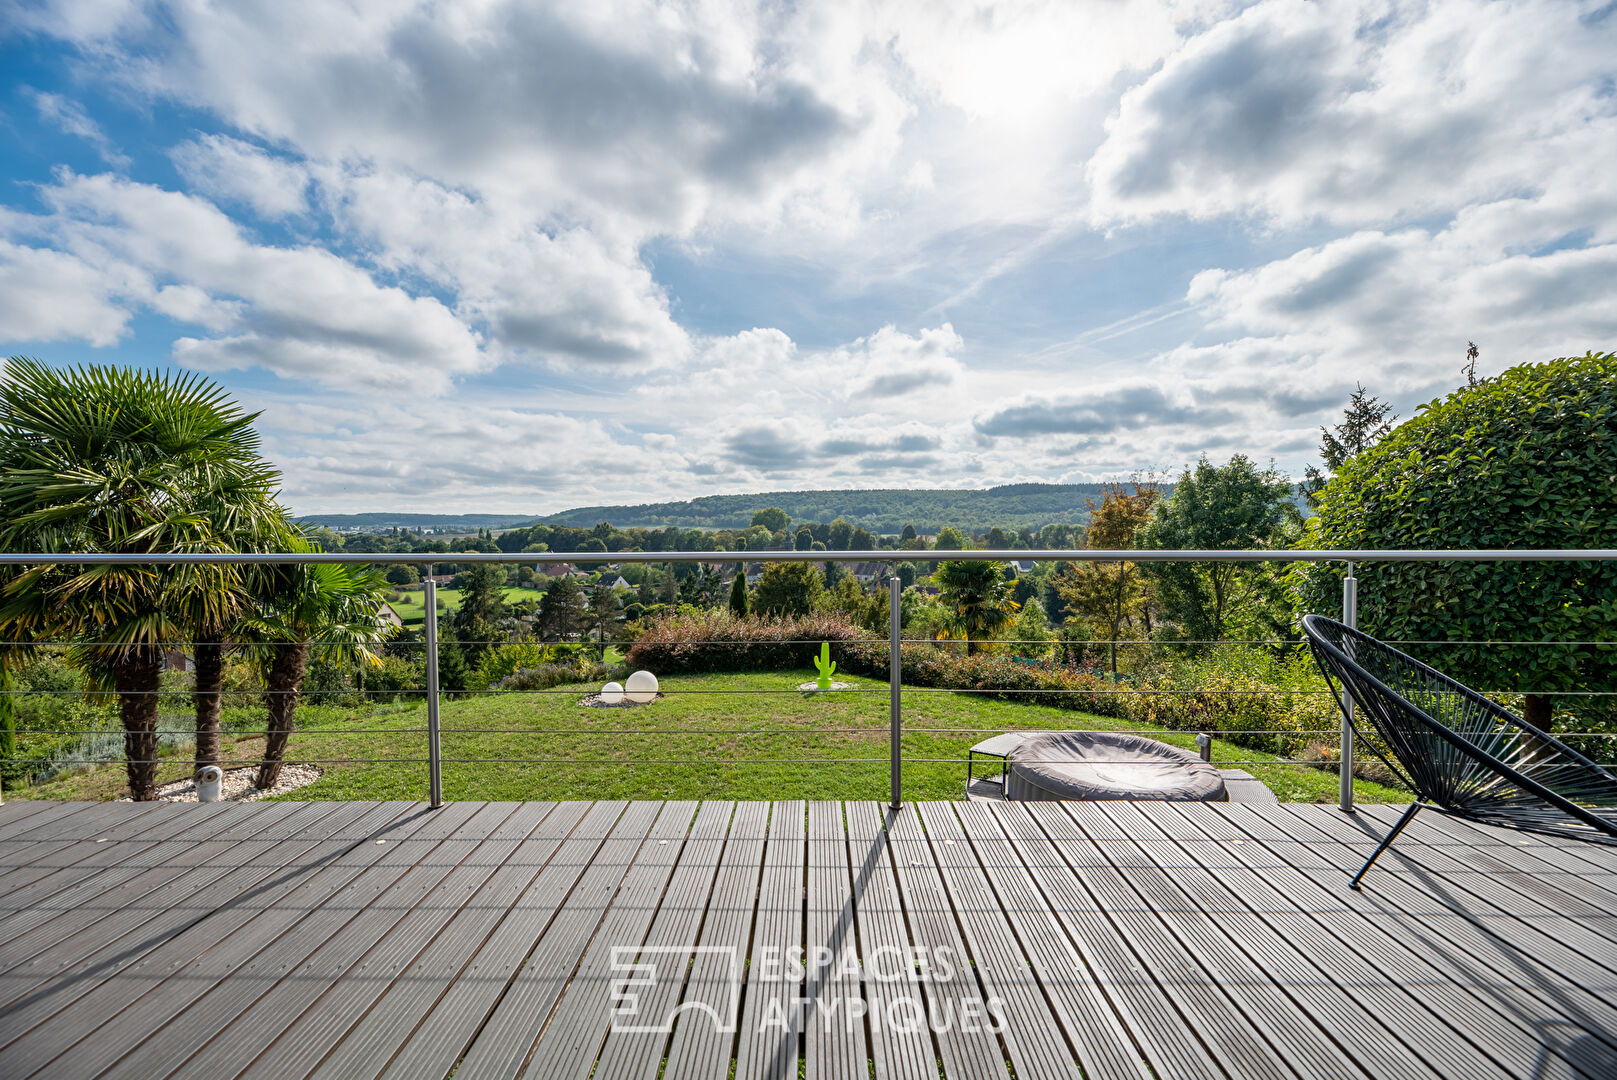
column 435, row 774
column 1350, row 617
column 895, row 672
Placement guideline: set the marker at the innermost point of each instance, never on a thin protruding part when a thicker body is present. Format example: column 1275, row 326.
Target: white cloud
column 50, row 295
column 300, row 312
column 70, row 116
column 227, row 168
column 1358, row 111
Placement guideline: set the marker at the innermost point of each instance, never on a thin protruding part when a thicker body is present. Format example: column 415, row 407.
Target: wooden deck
column 644, row 939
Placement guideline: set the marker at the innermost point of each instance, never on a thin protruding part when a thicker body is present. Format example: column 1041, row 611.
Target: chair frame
column 1339, row 667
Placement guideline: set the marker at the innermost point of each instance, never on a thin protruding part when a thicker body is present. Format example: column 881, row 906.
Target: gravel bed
column 238, row 785
column 593, row 701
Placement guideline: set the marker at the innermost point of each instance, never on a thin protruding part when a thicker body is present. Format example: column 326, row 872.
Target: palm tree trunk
column 137, row 679
column 210, row 678
column 281, row 702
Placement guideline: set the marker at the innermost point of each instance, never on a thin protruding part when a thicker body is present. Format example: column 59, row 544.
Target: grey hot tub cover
column 1102, row 765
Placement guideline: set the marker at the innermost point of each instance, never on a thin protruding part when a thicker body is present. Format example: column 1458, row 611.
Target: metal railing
column 895, row 640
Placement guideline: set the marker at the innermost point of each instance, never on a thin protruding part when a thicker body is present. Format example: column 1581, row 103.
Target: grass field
column 710, row 736
column 413, row 606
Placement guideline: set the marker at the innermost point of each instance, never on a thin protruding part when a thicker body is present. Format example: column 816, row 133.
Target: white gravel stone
column 238, row 785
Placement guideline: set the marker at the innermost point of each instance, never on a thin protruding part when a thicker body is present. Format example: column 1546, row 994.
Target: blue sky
column 512, row 256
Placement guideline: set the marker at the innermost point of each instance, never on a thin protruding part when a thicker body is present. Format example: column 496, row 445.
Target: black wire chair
column 1458, row 750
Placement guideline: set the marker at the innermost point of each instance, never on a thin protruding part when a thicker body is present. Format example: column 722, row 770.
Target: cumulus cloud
column 300, row 311
column 1109, row 410
column 1356, row 112
column 223, row 167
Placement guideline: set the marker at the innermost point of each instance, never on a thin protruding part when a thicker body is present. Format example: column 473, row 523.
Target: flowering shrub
column 700, row 641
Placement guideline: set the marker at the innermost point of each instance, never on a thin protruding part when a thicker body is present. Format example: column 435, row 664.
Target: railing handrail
column 391, row 558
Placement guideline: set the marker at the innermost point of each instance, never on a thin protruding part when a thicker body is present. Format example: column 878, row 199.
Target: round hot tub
column 1101, row 765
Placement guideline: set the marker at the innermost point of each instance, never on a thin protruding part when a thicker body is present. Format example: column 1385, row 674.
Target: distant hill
column 419, row 521
column 881, row 510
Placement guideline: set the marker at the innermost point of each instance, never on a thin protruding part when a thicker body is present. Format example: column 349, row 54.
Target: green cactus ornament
column 825, row 666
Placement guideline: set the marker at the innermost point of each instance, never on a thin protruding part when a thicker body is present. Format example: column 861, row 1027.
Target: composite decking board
column 1343, row 940
column 273, row 946
column 505, row 1038
column 1536, row 931
column 1090, row 1021
column 1453, row 944
column 368, row 1045
column 86, row 866
column 33, row 861
column 834, row 1044
column 69, row 922
column 1034, row 1039
column 1214, row 1011
column 397, row 919
column 678, row 924
column 1598, row 856
column 61, row 1013
column 705, row 1032
column 24, row 844
column 113, row 915
column 13, row 813
column 489, row 875
column 964, row 1050
column 1372, row 1021
column 901, row 1044
column 1457, row 931
column 1159, row 1028
column 571, row 1036
column 580, row 1021
column 1475, row 951
column 437, row 1042
column 771, row 1021
column 1585, row 892
column 66, row 943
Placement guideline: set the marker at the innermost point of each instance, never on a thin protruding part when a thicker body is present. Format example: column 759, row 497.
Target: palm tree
column 980, row 595
column 325, row 609
column 101, row 460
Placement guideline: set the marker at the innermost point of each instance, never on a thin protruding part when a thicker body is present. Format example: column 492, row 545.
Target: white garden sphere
column 642, row 687
column 612, row 694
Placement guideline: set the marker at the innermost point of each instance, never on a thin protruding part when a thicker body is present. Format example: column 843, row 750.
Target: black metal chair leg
column 1385, row 843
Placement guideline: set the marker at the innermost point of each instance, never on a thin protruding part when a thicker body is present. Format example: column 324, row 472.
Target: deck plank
column 705, row 1032
column 1125, row 940
column 771, row 1021
column 668, row 947
column 950, row 988
column 505, row 1040
column 901, row 1044
column 118, row 993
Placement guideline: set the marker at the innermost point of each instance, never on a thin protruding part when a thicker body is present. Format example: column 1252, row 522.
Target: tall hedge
column 1524, row 460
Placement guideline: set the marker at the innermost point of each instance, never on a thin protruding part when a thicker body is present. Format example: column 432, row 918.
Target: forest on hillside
column 881, row 510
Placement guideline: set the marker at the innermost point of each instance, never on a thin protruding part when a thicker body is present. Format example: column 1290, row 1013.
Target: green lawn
column 413, row 606
column 710, row 736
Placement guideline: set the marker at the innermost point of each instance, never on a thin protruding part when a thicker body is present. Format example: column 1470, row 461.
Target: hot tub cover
column 1101, row 765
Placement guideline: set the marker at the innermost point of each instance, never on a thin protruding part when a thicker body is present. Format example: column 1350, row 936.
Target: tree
column 788, row 589
column 1365, row 422
column 840, row 535
column 803, row 539
column 980, row 595
column 950, row 539
column 402, row 574
column 834, row 573
column 562, row 609
column 908, row 533
column 603, row 613
column 111, row 460
column 1215, row 507
column 329, row 611
column 1522, row 460
column 772, row 518
column 738, row 594
column 482, row 605
column 1111, row 594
